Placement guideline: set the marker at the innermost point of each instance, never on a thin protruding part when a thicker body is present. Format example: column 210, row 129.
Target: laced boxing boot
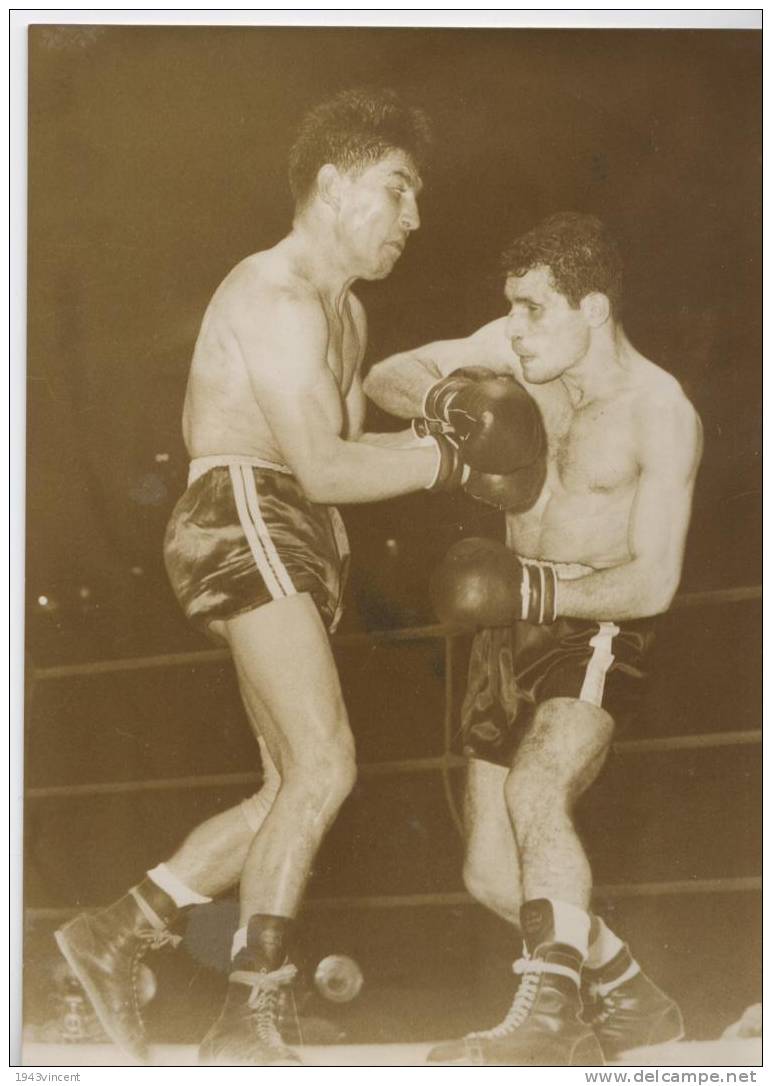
column 626, row 1009
column 104, row 950
column 248, row 1032
column 542, row 1027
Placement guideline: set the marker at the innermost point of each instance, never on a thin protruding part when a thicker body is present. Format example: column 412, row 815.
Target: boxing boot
column 626, row 1009
column 542, row 1027
column 104, row 950
column 248, row 1031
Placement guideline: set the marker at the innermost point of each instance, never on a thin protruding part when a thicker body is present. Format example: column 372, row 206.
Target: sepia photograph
column 392, row 483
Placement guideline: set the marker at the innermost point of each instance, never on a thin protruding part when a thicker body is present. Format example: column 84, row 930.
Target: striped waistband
column 200, row 465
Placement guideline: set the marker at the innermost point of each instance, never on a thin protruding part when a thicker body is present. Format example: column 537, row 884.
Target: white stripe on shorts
column 601, row 660
column 200, row 465
column 267, row 560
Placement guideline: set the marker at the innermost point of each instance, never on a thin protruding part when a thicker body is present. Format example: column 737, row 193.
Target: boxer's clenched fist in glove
column 481, row 583
column 515, row 492
column 496, row 422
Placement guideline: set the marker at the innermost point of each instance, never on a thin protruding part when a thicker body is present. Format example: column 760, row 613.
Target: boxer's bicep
column 399, row 383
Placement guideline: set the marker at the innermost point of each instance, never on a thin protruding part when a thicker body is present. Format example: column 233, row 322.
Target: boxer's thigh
column 289, row 681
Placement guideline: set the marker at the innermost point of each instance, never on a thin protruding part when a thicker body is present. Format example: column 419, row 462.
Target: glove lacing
column 263, row 1000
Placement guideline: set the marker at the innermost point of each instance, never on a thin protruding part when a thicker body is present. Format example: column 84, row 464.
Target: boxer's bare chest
column 222, row 409
column 592, row 472
column 591, row 447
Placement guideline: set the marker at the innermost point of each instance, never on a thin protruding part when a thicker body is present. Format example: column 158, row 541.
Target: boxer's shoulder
column 265, row 279
column 656, row 389
column 664, row 413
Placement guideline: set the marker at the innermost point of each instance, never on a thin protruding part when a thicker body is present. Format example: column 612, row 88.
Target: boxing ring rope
column 444, row 763
column 713, row 597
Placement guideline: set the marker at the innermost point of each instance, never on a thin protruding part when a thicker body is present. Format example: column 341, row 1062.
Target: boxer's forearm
column 355, row 471
column 399, row 384
column 403, row 439
column 632, row 590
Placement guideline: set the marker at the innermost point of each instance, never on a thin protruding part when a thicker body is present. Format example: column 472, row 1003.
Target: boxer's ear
column 328, row 185
column 596, row 308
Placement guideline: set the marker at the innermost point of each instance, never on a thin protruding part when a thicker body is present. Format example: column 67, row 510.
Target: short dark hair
column 580, row 252
column 352, row 130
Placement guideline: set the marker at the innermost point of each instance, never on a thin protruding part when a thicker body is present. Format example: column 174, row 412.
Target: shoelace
column 598, row 1010
column 602, row 994
column 154, row 940
column 263, row 998
column 530, row 970
column 521, row 1004
column 148, row 940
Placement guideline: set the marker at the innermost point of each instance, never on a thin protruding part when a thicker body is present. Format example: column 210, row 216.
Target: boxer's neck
column 315, row 252
column 602, row 369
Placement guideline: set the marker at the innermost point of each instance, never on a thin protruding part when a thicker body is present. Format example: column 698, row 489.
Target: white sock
column 605, row 946
column 572, row 925
column 180, row 894
column 239, row 941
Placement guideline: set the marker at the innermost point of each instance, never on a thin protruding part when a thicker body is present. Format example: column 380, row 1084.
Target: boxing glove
column 497, row 423
column 515, row 492
column 481, row 583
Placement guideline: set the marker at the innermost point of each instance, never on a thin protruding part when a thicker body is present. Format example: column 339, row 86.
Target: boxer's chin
column 382, row 270
column 538, row 372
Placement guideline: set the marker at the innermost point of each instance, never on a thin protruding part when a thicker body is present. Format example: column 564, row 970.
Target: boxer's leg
column 561, row 754
column 491, row 861
column 284, row 663
column 212, row 857
column 103, row 949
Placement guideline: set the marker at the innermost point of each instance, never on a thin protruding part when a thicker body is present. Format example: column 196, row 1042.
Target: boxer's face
column 378, row 211
column 545, row 331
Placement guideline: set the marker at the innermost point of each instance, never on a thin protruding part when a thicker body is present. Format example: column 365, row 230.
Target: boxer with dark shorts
column 515, row 669
column 563, row 618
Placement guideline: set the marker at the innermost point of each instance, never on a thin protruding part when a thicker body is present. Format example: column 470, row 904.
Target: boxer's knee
column 319, row 782
column 559, row 757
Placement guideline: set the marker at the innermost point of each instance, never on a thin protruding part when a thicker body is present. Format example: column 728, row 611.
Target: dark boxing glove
column 481, row 583
column 515, row 492
column 497, row 423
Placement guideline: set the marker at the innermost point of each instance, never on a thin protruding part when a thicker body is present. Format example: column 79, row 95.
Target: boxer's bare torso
column 624, row 445
column 222, row 413
column 595, row 453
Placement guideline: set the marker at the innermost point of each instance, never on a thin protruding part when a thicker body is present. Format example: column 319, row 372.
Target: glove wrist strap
column 451, row 471
column 439, row 396
column 428, row 427
column 539, row 593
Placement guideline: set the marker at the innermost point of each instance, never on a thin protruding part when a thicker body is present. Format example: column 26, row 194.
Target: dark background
column 156, row 162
